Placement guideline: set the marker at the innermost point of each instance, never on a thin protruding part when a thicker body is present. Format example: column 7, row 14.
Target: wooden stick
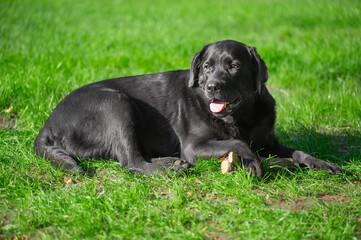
column 232, row 161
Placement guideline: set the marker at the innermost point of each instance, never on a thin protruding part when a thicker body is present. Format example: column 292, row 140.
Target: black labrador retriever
column 149, row 122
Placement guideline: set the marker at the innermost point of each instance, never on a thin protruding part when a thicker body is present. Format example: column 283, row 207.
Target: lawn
column 313, row 53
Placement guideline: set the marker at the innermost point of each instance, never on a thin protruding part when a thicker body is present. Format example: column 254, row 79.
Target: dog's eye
column 207, row 67
column 234, row 66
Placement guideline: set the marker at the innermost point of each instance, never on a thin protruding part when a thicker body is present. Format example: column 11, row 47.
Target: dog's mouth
column 222, row 107
column 218, row 106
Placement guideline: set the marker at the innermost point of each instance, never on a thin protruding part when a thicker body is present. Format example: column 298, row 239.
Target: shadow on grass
column 338, row 146
column 341, row 147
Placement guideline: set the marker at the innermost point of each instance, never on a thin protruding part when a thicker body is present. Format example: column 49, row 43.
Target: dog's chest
column 225, row 128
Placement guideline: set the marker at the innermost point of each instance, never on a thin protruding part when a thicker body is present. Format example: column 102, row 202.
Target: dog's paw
column 305, row 160
column 178, row 167
column 183, row 164
column 254, row 168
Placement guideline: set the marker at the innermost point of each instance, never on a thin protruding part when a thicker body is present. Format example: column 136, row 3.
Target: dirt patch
column 307, row 204
column 213, row 230
column 216, row 237
column 7, row 122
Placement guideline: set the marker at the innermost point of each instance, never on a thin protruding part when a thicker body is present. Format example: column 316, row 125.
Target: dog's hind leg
column 129, row 156
column 102, row 124
column 118, row 129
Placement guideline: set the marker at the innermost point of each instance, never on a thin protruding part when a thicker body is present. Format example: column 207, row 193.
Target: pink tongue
column 217, row 106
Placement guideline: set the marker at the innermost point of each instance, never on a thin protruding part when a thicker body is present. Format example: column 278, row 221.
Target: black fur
column 147, row 122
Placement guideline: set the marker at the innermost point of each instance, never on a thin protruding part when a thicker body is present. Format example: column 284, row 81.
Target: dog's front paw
column 303, row 159
column 254, row 168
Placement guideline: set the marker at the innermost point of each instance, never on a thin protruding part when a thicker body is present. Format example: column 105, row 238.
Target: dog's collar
column 232, row 107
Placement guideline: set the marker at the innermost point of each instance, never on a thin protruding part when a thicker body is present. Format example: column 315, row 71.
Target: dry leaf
column 9, row 110
column 68, row 181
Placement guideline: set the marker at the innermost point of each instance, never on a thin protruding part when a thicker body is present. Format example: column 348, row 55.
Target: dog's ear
column 260, row 69
column 194, row 70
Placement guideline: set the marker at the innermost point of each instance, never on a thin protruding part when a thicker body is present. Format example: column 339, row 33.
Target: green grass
column 312, row 50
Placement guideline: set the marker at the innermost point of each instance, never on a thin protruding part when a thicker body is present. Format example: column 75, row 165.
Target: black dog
column 149, row 122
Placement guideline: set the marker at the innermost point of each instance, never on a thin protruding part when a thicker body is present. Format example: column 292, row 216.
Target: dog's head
column 228, row 72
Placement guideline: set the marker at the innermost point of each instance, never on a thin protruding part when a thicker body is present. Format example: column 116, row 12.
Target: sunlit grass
column 311, row 48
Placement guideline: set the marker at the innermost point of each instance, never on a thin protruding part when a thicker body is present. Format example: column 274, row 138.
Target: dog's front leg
column 304, row 159
column 301, row 158
column 220, row 148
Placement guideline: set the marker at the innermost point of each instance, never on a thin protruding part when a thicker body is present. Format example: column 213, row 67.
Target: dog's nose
column 213, row 87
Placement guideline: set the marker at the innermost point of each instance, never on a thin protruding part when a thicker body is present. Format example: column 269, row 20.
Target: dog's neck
column 244, row 115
